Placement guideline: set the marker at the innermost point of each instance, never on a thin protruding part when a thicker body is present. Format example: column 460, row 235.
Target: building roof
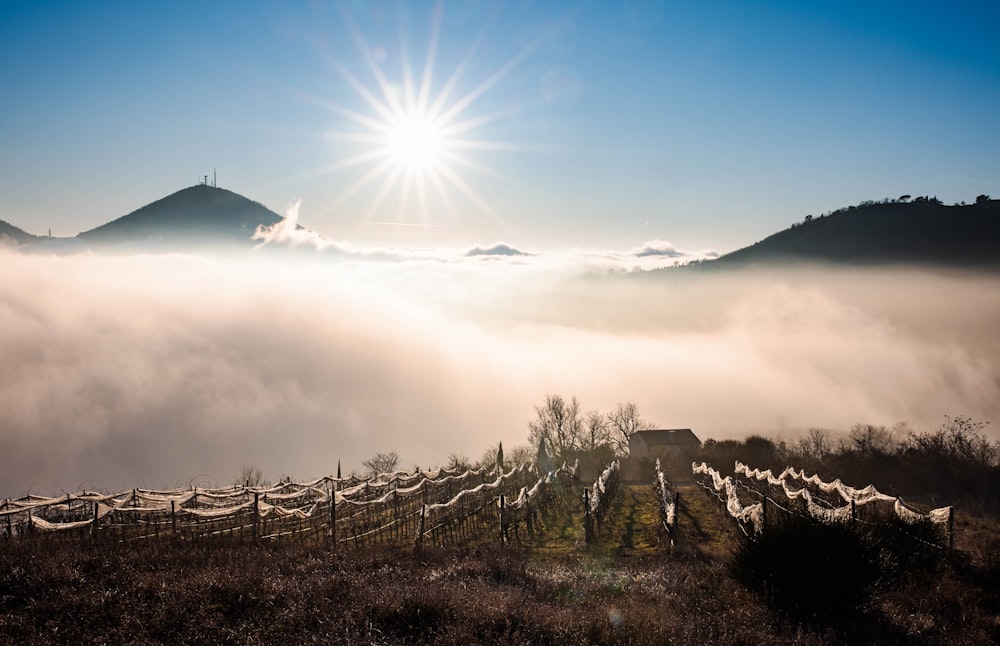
column 668, row 437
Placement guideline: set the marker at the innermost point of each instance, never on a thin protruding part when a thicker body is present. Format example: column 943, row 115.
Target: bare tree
column 816, row 446
column 557, row 425
column 458, row 462
column 250, row 476
column 596, row 431
column 381, row 463
column 868, row 439
column 624, row 421
column 520, row 454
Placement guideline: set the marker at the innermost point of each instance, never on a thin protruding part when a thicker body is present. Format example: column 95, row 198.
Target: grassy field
column 628, row 587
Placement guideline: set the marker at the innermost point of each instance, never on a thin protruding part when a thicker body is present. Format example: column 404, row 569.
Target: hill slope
column 19, row 236
column 197, row 216
column 920, row 232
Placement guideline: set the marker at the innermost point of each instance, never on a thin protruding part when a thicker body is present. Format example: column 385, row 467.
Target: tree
column 624, row 421
column 250, row 476
column 982, row 199
column 458, row 462
column 868, row 439
column 542, row 459
column 816, row 446
column 904, row 198
column 520, row 454
column 381, row 463
column 596, row 431
column 556, row 425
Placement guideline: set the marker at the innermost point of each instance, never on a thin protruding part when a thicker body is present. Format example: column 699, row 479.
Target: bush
column 806, row 569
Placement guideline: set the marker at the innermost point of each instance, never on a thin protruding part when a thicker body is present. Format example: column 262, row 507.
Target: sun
column 415, row 142
column 414, row 135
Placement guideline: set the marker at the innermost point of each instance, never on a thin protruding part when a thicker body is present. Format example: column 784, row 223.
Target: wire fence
column 388, row 508
column 846, row 504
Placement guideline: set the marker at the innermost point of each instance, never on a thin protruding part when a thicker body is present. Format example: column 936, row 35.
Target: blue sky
column 592, row 124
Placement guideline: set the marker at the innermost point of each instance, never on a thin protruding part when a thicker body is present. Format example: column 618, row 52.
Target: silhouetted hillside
column 198, row 216
column 18, row 235
column 923, row 231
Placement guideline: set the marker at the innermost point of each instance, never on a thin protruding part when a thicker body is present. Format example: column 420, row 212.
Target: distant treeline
column 954, row 464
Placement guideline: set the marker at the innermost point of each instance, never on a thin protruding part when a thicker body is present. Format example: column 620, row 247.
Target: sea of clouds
column 160, row 369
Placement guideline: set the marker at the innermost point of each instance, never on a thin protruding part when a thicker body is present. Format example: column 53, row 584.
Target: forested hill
column 195, row 216
column 922, row 231
column 17, row 235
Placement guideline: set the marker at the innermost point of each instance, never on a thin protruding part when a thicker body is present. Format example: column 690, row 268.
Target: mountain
column 923, row 232
column 198, row 216
column 17, row 235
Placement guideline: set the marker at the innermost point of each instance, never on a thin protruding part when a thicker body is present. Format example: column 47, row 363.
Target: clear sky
column 544, row 124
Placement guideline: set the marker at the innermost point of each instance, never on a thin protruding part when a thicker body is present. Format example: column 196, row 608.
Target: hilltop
column 922, row 231
column 197, row 216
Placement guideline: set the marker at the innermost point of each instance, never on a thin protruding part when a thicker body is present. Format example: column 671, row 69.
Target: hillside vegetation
column 920, row 231
column 546, row 584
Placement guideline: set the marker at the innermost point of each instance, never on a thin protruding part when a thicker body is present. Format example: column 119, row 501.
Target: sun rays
column 413, row 140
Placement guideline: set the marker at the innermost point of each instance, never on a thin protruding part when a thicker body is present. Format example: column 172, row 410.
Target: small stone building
column 675, row 446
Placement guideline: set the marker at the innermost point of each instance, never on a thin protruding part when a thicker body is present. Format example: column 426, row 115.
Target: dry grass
column 623, row 590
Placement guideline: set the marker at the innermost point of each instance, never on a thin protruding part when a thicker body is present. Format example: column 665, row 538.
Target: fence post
column 951, row 528
column 503, row 519
column 854, row 510
column 93, row 528
column 256, row 516
column 588, row 521
column 677, row 516
column 420, row 527
column 333, row 516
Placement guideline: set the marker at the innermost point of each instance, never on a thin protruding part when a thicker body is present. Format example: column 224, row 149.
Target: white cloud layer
column 154, row 369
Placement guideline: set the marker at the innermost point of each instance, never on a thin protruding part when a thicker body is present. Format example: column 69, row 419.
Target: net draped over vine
column 852, row 496
column 668, row 508
column 752, row 515
column 348, row 508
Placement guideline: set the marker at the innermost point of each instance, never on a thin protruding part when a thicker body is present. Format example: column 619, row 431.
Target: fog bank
column 155, row 370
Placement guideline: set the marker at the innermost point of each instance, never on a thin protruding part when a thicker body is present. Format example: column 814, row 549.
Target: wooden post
column 420, row 527
column 333, row 516
column 588, row 521
column 255, row 534
column 173, row 518
column 503, row 519
column 93, row 528
column 395, row 513
column 951, row 528
column 677, row 516
column 854, row 510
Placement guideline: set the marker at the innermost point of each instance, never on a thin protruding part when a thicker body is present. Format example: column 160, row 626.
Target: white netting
column 668, row 508
column 752, row 515
column 604, row 489
column 282, row 509
column 847, row 493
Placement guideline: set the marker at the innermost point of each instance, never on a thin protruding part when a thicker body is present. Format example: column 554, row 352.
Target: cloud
column 155, row 369
column 498, row 249
column 657, row 248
